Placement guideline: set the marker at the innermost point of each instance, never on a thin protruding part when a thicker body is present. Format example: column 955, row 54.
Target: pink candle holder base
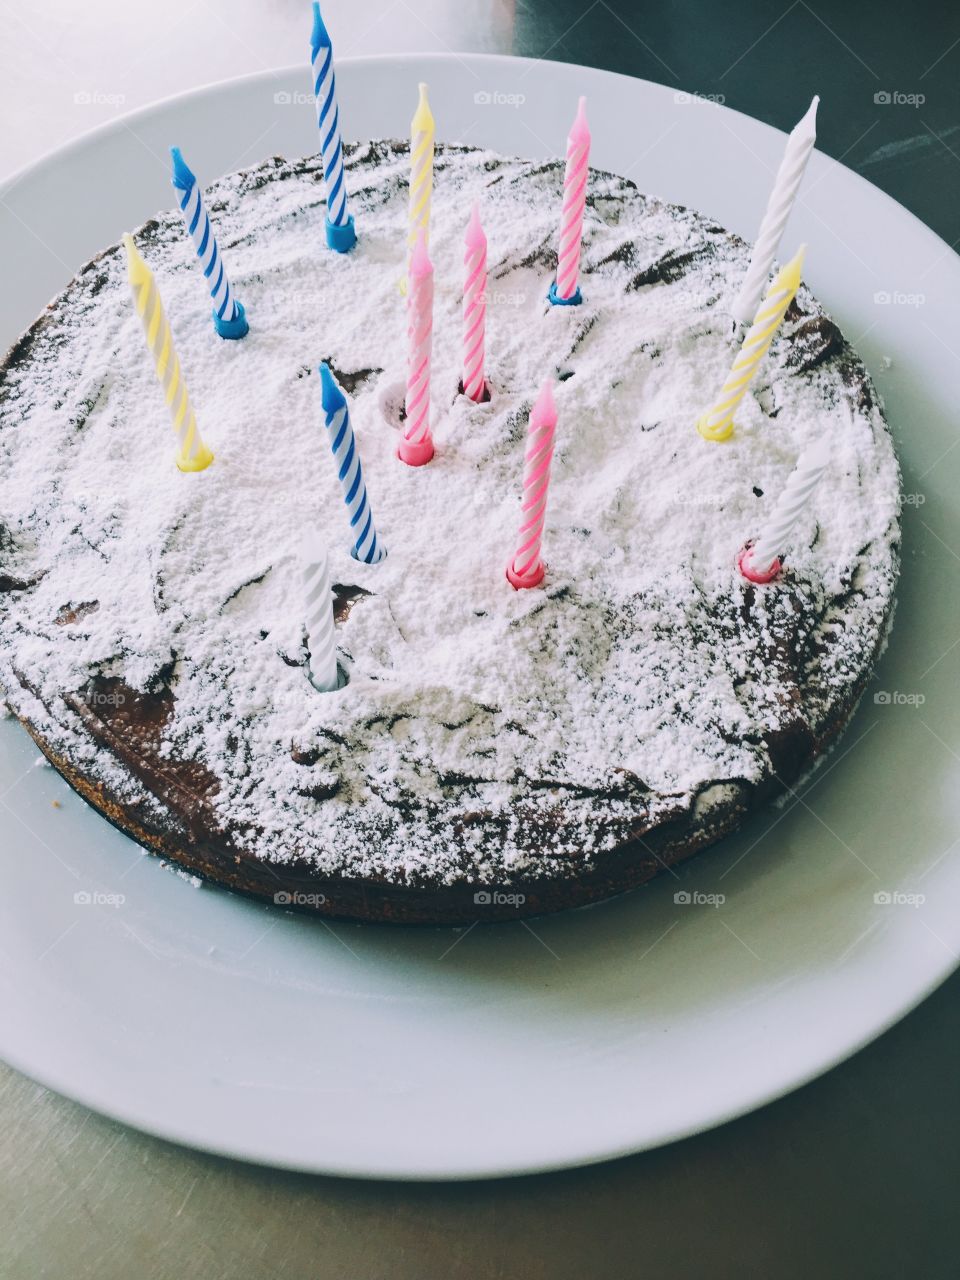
column 415, row 455
column 523, row 580
column 752, row 574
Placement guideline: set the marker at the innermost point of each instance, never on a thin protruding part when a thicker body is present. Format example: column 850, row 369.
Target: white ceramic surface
column 369, row 1051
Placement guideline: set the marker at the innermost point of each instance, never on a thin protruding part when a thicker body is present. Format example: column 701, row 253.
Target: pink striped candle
column 474, row 308
column 566, row 291
column 526, row 569
column 416, row 445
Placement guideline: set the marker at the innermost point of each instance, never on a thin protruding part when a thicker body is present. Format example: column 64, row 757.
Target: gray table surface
column 854, row 1175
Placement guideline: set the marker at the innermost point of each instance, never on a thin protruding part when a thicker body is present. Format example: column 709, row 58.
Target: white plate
column 370, row 1051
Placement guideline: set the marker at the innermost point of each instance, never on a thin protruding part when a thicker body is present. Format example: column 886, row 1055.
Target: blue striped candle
column 228, row 314
column 340, row 231
column 366, row 546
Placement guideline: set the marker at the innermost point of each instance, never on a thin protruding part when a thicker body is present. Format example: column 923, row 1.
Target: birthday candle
column 760, row 562
column 566, row 290
column 228, row 314
column 526, row 569
column 421, row 172
column 318, row 616
column 193, row 454
column 474, row 307
column 416, row 444
column 366, row 545
column 717, row 422
column 791, row 171
column 340, row 230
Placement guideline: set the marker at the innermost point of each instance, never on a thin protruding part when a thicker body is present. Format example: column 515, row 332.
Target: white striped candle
column 341, row 235
column 228, row 314
column 782, row 197
column 760, row 562
column 318, row 616
column 366, row 545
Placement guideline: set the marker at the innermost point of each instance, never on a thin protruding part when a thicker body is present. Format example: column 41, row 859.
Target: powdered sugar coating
column 645, row 679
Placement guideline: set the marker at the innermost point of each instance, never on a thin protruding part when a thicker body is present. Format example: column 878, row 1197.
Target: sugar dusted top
column 484, row 731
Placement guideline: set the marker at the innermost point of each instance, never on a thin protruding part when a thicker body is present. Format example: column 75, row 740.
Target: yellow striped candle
column 717, row 422
column 193, row 454
column 422, row 130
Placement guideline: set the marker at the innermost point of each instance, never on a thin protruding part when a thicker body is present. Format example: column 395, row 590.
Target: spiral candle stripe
column 526, row 569
column 193, row 454
column 331, row 145
column 366, row 545
column 416, row 445
column 574, row 199
column 717, row 422
column 318, row 609
column 422, row 129
column 760, row 562
column 227, row 312
column 474, row 308
column 791, row 171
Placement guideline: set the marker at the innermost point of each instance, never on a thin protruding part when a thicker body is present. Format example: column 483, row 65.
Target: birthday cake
column 494, row 752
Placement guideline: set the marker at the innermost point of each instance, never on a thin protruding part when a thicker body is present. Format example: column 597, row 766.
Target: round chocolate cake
column 495, row 752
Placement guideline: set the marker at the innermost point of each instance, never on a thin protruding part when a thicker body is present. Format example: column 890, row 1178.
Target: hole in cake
column 350, row 381
column 344, row 598
column 9, row 583
column 343, row 678
column 757, row 492
column 321, row 790
column 484, row 399
column 71, row 613
column 392, row 403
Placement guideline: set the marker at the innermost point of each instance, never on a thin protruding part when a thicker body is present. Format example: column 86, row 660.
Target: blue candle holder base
column 573, row 301
column 236, row 328
column 342, row 238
